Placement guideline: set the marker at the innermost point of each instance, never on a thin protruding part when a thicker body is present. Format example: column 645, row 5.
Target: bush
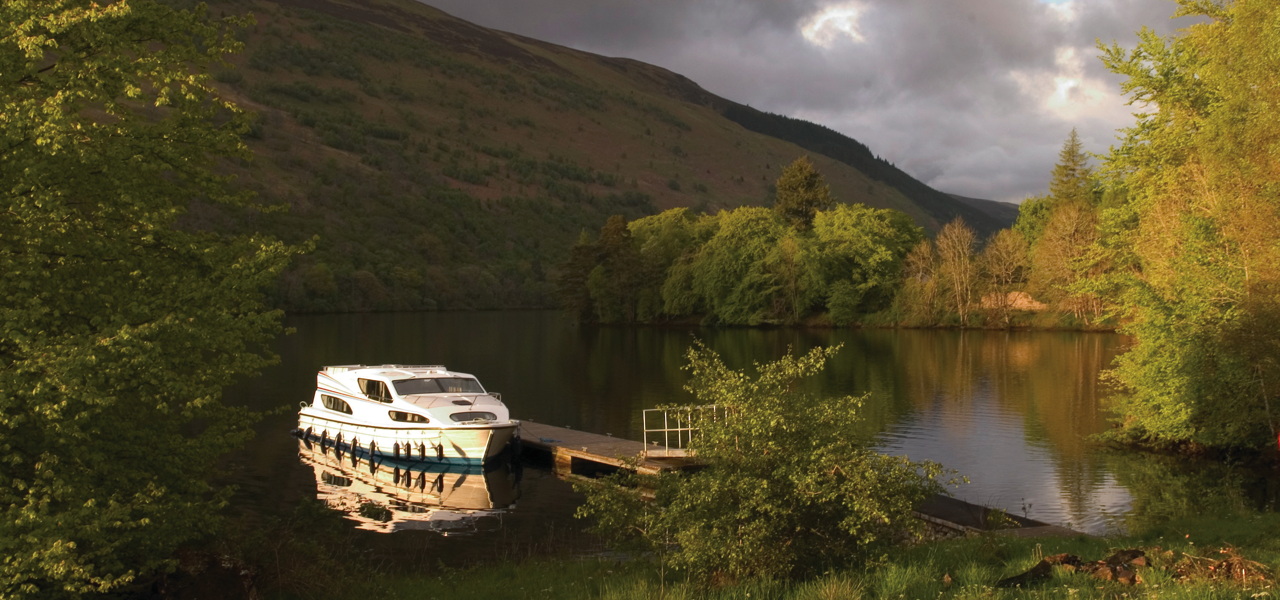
column 787, row 490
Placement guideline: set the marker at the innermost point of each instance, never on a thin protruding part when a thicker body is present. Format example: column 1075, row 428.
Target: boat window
column 438, row 385
column 337, row 404
column 375, row 390
column 468, row 417
column 405, row 417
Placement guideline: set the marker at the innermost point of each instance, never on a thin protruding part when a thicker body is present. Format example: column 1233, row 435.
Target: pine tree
column 801, row 193
column 1072, row 179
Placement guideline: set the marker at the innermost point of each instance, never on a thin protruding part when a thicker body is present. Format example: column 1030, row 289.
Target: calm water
column 1009, row 410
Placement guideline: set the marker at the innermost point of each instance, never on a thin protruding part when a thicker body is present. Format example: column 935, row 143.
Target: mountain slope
column 444, row 165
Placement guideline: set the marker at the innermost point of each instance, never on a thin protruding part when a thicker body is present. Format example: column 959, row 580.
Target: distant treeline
column 811, row 260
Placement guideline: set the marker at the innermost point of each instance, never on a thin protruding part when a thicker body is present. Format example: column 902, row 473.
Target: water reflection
column 1166, row 488
column 1013, row 412
column 389, row 495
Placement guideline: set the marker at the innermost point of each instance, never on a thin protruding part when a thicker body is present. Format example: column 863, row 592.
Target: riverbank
column 1188, row 559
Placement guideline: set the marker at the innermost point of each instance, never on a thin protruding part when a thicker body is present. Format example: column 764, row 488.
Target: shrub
column 787, row 490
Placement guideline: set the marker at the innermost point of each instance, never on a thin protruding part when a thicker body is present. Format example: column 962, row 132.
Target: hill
column 440, row 164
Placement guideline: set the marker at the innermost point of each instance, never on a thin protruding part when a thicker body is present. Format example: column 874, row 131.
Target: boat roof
column 395, row 371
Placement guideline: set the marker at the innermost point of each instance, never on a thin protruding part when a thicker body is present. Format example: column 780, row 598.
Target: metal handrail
column 674, row 436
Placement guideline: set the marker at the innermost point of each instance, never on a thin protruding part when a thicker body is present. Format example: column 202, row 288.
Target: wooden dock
column 583, row 453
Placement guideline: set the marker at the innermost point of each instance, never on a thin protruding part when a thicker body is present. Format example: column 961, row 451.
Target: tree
column 571, row 279
column 919, row 302
column 1033, row 215
column 1003, row 265
column 1072, row 179
column 860, row 251
column 1196, row 230
column 118, row 328
column 801, row 193
column 957, row 273
column 730, row 274
column 618, row 275
column 787, row 491
column 1058, row 260
column 664, row 240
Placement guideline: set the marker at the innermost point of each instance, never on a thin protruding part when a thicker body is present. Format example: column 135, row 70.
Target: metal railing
column 668, row 431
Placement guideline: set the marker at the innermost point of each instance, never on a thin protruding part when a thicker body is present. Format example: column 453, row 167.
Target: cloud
column 832, row 23
column 972, row 97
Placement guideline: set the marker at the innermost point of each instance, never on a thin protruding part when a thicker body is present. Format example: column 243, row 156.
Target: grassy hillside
column 444, row 165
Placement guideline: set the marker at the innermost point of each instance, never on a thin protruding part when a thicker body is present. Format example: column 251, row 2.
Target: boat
column 412, row 412
column 389, row 495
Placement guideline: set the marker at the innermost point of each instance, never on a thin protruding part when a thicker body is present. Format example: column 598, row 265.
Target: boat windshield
column 438, row 385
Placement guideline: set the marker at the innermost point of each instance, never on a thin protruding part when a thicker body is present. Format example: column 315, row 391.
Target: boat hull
column 470, row 444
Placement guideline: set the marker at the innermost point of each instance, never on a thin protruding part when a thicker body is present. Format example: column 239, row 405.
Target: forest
column 812, row 260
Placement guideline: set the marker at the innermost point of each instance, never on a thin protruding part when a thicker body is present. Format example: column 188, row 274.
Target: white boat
column 420, row 412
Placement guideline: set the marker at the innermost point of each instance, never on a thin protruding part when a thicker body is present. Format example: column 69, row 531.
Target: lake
column 1011, row 411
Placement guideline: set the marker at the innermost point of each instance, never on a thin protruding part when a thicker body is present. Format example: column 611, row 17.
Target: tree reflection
column 1167, row 488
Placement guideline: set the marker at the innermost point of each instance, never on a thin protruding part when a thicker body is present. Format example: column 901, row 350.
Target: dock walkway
column 584, row 453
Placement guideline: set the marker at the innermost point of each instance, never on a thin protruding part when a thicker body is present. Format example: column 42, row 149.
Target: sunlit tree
column 957, row 271
column 801, row 193
column 729, row 271
column 1003, row 266
column 1197, row 227
column 118, row 328
column 860, row 252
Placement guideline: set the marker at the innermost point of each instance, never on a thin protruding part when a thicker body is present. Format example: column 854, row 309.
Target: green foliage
column 1071, row 180
column 746, row 267
column 120, row 328
column 861, row 252
column 1033, row 214
column 730, row 274
column 801, row 193
column 788, row 489
column 1196, row 229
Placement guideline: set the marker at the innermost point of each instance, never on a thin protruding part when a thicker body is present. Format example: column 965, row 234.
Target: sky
column 973, row 97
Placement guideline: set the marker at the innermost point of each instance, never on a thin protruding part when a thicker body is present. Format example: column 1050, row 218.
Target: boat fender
column 324, row 441
column 307, row 434
column 355, row 447
column 373, row 448
column 422, row 450
column 440, row 451
column 395, row 449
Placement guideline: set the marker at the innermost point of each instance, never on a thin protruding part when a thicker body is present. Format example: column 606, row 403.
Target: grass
column 952, row 569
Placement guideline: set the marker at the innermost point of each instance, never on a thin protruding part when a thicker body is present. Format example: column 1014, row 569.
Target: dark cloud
column 972, row 97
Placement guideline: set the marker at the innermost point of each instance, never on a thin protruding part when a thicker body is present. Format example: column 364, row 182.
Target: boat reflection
column 388, row 495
